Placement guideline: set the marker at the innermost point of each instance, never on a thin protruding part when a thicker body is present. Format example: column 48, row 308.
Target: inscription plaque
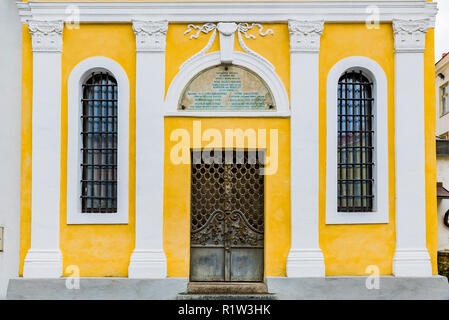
column 226, row 88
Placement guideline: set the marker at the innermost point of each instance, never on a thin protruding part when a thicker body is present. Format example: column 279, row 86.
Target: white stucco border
column 381, row 207
column 191, row 68
column 237, row 11
column 74, row 90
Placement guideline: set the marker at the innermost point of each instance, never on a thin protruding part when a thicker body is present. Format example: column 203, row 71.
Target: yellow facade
column 105, row 250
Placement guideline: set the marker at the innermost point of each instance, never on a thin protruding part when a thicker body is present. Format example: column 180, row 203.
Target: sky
column 442, row 29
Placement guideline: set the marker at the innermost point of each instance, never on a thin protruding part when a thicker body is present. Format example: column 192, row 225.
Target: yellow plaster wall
column 430, row 145
column 274, row 47
column 177, row 177
column 25, row 176
column 177, row 195
column 102, row 250
column 105, row 250
column 98, row 250
column 349, row 249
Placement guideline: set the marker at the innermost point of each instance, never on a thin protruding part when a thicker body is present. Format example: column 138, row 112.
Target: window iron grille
column 99, row 144
column 355, row 143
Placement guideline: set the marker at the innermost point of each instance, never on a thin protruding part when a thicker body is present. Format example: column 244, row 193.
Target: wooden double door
column 227, row 216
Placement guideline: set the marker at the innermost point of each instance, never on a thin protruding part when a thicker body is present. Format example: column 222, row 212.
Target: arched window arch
column 355, row 142
column 98, row 143
column 357, row 188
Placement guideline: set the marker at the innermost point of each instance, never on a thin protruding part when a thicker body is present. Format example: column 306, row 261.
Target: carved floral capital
column 305, row 35
column 150, row 35
column 46, row 35
column 410, row 35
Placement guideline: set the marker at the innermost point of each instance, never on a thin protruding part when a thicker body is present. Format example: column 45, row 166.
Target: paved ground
column 389, row 288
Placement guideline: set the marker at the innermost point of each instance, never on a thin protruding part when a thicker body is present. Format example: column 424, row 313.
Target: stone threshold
column 190, row 296
column 227, row 288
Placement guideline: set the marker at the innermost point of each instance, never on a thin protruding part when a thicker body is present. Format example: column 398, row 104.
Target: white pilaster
column 148, row 259
column 44, row 259
column 305, row 258
column 411, row 257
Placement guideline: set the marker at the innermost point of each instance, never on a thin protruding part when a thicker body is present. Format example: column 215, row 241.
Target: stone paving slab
column 328, row 288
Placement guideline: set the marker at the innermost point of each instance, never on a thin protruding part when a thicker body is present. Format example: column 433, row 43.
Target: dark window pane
column 355, row 143
column 99, row 147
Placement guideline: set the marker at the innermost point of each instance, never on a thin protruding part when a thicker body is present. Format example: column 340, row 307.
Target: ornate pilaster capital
column 305, row 35
column 410, row 35
column 150, row 35
column 46, row 36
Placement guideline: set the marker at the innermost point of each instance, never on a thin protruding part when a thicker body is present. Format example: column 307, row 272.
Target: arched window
column 355, row 142
column 99, row 134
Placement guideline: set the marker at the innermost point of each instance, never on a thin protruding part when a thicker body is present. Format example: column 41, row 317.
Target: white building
column 10, row 67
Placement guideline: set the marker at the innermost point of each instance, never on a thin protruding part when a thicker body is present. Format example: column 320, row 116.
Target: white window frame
column 78, row 76
column 380, row 213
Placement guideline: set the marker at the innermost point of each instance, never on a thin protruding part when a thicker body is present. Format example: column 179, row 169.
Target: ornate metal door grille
column 227, row 218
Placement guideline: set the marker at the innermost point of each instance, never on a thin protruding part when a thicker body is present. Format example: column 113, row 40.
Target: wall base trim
column 42, row 264
column 412, row 263
column 305, row 263
column 147, row 264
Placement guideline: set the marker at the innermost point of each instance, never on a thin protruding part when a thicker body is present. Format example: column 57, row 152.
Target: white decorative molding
column 380, row 212
column 237, row 11
column 305, row 35
column 205, row 28
column 410, row 35
column 43, row 264
column 150, row 35
column 46, row 35
column 412, row 263
column 147, row 264
column 227, row 30
column 305, row 262
column 243, row 28
column 189, row 69
column 80, row 73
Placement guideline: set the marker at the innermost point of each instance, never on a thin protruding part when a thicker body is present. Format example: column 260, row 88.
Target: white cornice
column 235, row 11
